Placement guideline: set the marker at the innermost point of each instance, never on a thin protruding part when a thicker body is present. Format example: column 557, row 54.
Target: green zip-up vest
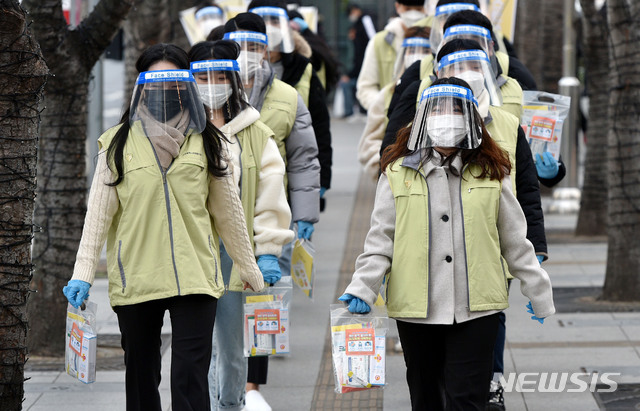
column 252, row 141
column 304, row 84
column 385, row 56
column 162, row 242
column 408, row 282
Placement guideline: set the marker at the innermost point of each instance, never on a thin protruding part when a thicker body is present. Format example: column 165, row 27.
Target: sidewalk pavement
column 568, row 342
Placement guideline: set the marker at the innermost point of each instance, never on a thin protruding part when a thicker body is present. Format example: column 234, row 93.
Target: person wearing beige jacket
column 161, row 196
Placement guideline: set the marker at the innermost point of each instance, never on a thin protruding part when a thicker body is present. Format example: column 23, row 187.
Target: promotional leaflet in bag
column 266, row 320
column 303, row 270
column 542, row 120
column 358, row 348
column 81, row 342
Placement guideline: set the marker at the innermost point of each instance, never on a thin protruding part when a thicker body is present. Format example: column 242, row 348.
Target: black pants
column 192, row 318
column 258, row 370
column 449, row 366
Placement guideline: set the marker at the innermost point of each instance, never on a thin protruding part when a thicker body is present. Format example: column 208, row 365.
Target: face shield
column 167, row 99
column 217, row 81
column 208, row 18
column 441, row 15
column 413, row 49
column 446, row 117
column 252, row 51
column 473, row 67
column 278, row 31
column 476, row 33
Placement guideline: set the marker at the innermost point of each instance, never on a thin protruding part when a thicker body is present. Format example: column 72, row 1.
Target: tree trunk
column 592, row 219
column 23, row 74
column 622, row 282
column 538, row 40
column 61, row 200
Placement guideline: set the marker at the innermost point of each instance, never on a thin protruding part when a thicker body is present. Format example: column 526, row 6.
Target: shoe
column 357, row 118
column 254, row 401
column 496, row 397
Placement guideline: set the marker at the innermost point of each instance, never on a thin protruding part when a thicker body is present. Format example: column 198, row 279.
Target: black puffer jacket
column 294, row 66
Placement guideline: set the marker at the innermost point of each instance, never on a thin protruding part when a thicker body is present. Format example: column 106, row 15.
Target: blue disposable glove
column 356, row 305
column 76, row 292
column 546, row 165
column 533, row 317
column 305, row 229
column 540, row 258
column 322, row 191
column 270, row 269
column 302, row 23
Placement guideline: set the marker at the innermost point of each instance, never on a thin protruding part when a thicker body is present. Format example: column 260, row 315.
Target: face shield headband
column 218, row 84
column 441, row 15
column 472, row 66
column 208, row 18
column 476, row 33
column 278, row 31
column 446, row 117
column 170, row 97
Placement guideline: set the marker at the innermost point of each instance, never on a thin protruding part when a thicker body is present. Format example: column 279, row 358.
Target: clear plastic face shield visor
column 413, row 49
column 253, row 50
column 473, row 67
column 478, row 34
column 446, row 117
column 217, row 80
column 278, row 32
column 208, row 18
column 167, row 98
column 441, row 15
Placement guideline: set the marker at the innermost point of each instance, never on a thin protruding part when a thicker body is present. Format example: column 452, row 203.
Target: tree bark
column 61, row 200
column 622, row 282
column 592, row 219
column 23, row 74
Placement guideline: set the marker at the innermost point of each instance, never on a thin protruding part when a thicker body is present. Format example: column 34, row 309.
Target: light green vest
column 252, row 140
column 385, row 57
column 304, row 84
column 408, row 281
column 426, row 66
column 162, row 242
column 322, row 75
column 425, row 22
column 510, row 90
column 278, row 112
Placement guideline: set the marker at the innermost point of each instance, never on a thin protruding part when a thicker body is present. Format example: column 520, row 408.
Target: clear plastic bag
column 358, row 344
column 543, row 117
column 266, row 320
column 81, row 346
column 303, row 269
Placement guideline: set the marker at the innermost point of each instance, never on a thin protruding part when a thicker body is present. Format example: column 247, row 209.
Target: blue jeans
column 349, row 92
column 498, row 347
column 228, row 368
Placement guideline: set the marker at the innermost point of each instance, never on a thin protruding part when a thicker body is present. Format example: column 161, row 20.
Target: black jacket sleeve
column 322, row 128
column 402, row 114
column 359, row 46
column 528, row 194
column 521, row 73
column 410, row 75
column 550, row 182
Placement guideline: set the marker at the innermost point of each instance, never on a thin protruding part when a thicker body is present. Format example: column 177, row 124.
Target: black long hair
column 210, row 136
column 225, row 50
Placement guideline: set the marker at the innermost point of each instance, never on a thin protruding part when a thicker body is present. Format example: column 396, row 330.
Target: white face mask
column 274, row 37
column 483, row 103
column 214, row 95
column 475, row 80
column 409, row 59
column 446, row 130
column 411, row 17
column 250, row 62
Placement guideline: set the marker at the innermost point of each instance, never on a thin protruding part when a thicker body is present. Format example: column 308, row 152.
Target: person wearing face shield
column 208, row 17
column 161, row 195
column 446, row 176
column 415, row 48
column 282, row 110
column 259, row 176
column 380, row 56
column 290, row 61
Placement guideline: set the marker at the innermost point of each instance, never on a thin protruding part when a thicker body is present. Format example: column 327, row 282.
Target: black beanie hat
column 411, row 2
column 246, row 21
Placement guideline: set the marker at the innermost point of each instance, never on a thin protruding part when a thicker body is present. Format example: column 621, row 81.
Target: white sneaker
column 254, row 401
